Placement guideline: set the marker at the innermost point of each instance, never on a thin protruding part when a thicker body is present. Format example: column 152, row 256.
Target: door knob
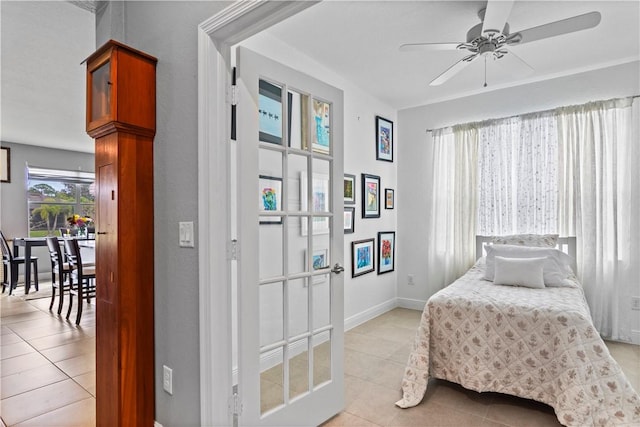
column 337, row 269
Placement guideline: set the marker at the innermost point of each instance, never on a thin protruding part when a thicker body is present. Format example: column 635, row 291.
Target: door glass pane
column 270, row 112
column 321, row 358
column 298, row 120
column 297, row 247
column 321, row 252
column 271, row 313
column 298, row 307
column 298, row 368
column 271, row 381
column 321, row 126
column 297, row 170
column 321, row 185
column 271, row 242
column 101, row 91
column 320, row 191
column 270, row 186
column 321, row 301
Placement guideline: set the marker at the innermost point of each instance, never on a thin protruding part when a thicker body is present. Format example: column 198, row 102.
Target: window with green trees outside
column 55, row 195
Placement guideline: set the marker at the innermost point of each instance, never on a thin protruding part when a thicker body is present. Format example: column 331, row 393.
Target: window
column 54, row 195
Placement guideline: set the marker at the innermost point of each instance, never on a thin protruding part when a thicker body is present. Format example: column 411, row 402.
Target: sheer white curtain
column 517, row 175
column 599, row 202
column 452, row 222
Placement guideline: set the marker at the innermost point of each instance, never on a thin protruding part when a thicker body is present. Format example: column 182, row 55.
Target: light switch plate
column 167, row 379
column 186, row 234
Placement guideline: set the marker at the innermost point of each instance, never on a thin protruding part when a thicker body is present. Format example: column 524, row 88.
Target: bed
column 535, row 343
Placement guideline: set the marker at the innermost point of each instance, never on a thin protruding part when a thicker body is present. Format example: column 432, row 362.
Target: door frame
column 216, row 35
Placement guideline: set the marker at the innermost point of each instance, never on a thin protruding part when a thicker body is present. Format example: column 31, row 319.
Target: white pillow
column 528, row 272
column 557, row 265
column 535, row 240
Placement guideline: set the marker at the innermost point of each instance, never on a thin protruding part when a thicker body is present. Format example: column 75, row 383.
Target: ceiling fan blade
column 453, row 70
column 410, row 47
column 495, row 16
column 514, row 64
column 564, row 26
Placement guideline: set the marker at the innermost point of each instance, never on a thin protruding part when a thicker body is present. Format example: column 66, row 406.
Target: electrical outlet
column 410, row 280
column 635, row 303
column 167, row 379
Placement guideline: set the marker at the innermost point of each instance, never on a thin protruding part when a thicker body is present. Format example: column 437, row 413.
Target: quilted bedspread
column 538, row 344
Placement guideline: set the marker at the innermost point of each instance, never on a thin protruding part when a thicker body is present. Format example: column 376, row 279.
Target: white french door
column 290, row 245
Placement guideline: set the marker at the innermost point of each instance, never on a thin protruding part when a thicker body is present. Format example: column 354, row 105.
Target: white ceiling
column 44, row 42
column 360, row 39
column 43, row 80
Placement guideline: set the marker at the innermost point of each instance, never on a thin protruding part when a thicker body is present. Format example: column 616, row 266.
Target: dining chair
column 83, row 278
column 60, row 272
column 10, row 266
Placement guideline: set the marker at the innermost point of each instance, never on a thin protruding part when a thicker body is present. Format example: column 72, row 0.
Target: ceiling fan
column 491, row 37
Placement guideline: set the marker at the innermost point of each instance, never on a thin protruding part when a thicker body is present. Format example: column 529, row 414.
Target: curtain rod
column 538, row 112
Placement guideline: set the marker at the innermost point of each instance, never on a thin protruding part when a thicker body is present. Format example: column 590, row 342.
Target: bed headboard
column 565, row 244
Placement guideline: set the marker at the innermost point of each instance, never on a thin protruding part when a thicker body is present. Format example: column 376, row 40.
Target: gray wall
column 168, row 31
column 13, row 201
column 414, row 157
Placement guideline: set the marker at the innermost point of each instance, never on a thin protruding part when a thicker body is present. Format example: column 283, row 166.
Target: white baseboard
column 156, row 424
column 413, row 304
column 369, row 314
column 635, row 337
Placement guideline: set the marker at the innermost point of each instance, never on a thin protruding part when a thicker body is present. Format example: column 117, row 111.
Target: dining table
column 29, row 242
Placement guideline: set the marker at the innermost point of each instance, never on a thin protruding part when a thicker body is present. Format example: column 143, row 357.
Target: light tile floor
column 47, row 364
column 48, row 375
column 375, row 355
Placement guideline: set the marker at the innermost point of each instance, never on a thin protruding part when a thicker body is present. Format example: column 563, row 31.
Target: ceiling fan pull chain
column 485, row 71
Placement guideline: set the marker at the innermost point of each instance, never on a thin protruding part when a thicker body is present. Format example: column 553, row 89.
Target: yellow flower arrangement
column 80, row 222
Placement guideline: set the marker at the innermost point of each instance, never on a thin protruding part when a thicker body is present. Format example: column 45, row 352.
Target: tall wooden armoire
column 121, row 116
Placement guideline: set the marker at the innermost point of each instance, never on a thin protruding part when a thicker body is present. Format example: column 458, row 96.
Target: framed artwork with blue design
column 384, row 139
column 270, row 198
column 362, row 257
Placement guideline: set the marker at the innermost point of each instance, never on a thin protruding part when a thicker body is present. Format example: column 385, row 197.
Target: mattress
column 537, row 344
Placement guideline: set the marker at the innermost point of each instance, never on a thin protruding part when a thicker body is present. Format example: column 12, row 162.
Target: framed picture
column 386, row 251
column 349, row 219
column 388, row 198
column 321, row 126
column 320, row 200
column 384, row 139
column 270, row 198
column 370, row 196
column 5, row 164
column 349, row 189
column 269, row 112
column 362, row 257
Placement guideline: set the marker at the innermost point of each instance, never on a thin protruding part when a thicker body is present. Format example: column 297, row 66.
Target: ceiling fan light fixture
column 485, row 40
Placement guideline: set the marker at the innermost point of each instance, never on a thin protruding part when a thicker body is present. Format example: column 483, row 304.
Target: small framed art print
column 384, row 139
column 386, row 251
column 388, row 198
column 349, row 219
column 362, row 257
column 370, row 196
column 5, row 164
column 270, row 198
column 349, row 189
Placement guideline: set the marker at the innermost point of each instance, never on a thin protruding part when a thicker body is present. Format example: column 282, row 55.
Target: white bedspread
column 538, row 344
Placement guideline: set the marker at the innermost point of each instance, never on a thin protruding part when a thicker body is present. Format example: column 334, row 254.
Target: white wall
column 370, row 294
column 414, row 161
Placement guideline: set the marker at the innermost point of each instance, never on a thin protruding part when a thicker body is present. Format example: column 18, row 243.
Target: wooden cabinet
column 121, row 118
column 121, row 90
